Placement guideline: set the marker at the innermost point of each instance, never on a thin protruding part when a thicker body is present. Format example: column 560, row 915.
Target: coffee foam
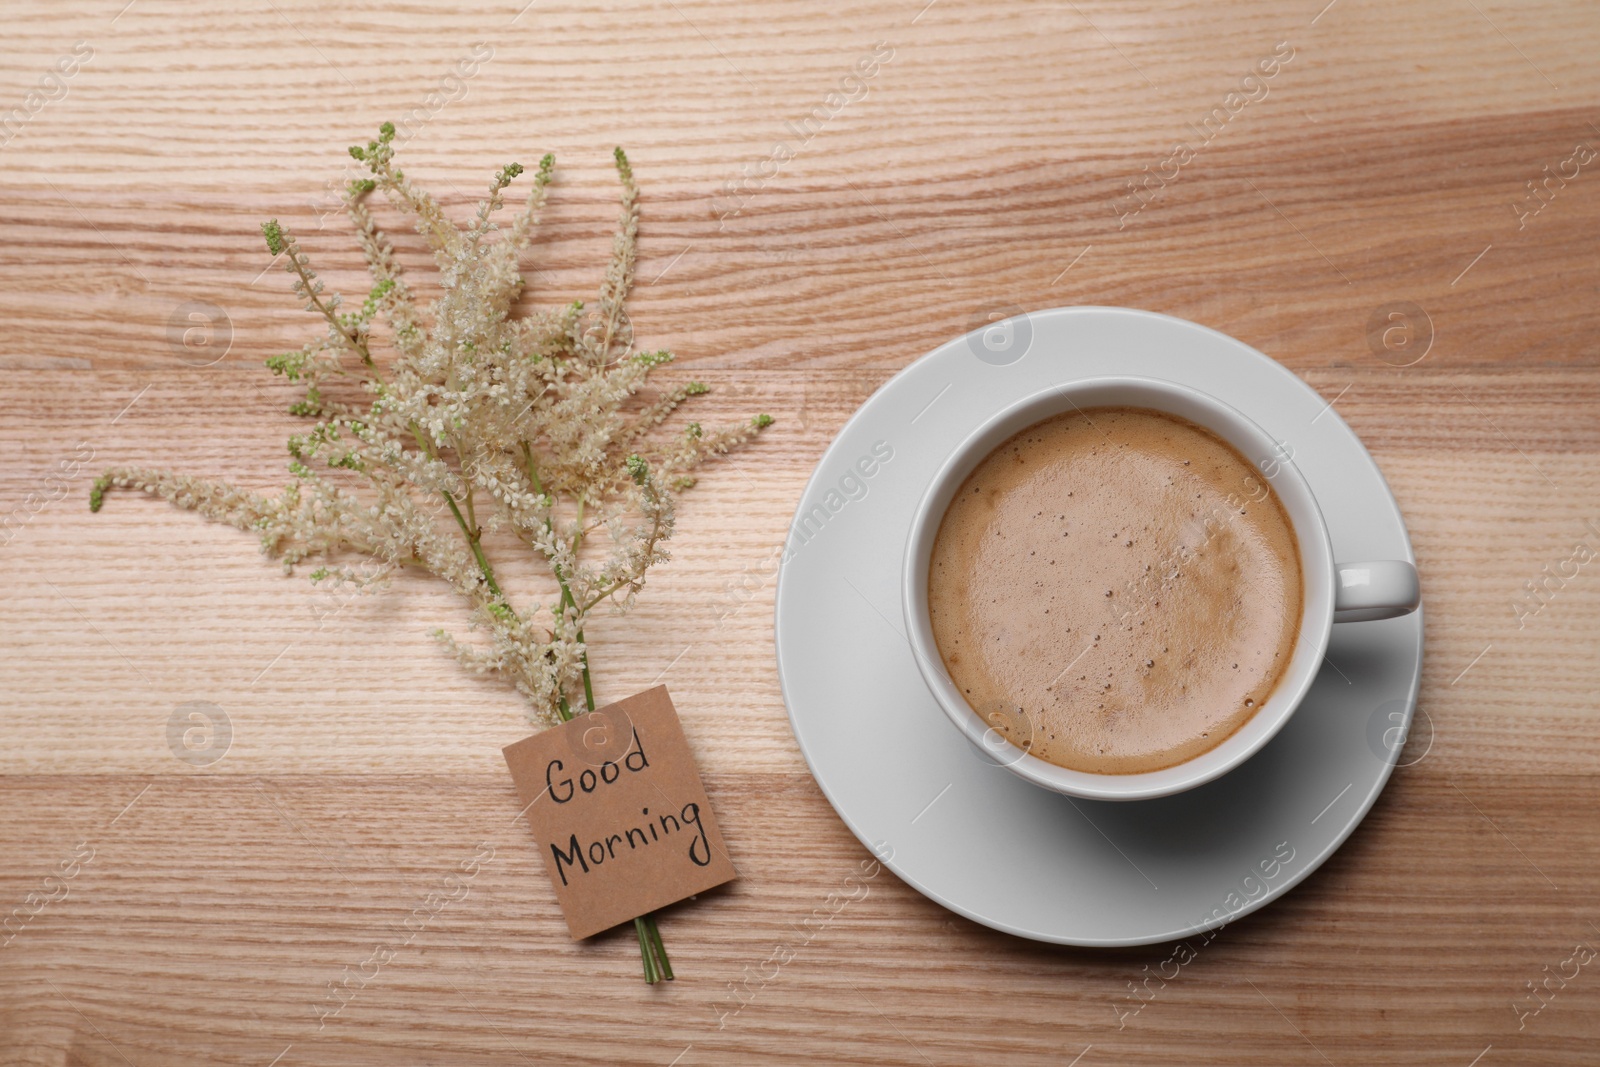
column 1116, row 590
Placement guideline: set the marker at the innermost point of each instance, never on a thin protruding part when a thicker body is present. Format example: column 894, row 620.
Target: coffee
column 1115, row 590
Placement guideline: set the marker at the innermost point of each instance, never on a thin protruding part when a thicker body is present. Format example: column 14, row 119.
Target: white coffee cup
column 1334, row 592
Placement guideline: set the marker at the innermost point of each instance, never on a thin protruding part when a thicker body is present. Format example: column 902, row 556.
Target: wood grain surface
column 1384, row 168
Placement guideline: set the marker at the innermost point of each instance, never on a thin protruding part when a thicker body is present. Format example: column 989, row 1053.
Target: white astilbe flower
column 481, row 420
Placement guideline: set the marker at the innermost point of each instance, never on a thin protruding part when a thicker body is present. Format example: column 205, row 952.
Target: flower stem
column 472, row 537
column 651, row 948
column 652, row 951
column 644, row 952
column 351, row 336
column 471, row 530
column 661, row 950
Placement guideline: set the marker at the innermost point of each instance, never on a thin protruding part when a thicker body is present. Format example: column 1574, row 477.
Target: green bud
column 310, row 406
column 357, row 152
column 374, row 298
column 761, row 422
column 97, row 492
column 288, row 364
column 696, row 389
column 274, row 235
column 507, row 173
column 386, row 132
column 638, row 468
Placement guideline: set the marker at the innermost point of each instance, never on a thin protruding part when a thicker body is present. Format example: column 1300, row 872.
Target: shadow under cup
column 1268, row 456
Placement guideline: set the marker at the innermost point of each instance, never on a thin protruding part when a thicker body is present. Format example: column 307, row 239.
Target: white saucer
column 972, row 835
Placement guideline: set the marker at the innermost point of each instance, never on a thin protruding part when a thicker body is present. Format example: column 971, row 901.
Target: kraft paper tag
column 621, row 817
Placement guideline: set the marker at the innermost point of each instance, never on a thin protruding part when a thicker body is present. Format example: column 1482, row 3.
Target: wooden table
column 1382, row 170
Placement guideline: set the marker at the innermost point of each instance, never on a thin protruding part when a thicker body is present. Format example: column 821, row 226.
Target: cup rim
column 1317, row 571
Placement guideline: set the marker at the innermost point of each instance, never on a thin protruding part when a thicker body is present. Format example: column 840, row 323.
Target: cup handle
column 1382, row 589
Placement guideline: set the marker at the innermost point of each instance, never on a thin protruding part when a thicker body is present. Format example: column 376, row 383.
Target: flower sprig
column 542, row 425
